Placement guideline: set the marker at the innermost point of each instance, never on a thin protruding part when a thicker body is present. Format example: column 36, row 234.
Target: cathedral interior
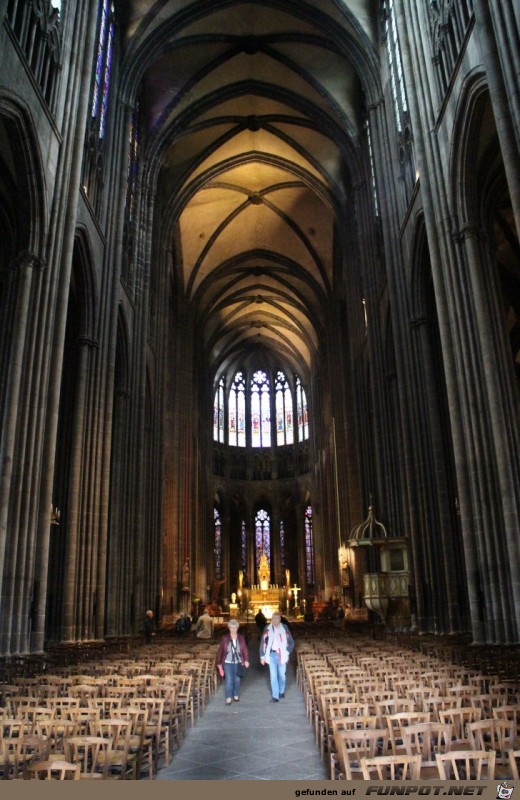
column 259, row 304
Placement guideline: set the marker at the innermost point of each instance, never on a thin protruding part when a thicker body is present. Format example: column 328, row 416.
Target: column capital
column 468, row 230
column 87, row 341
column 375, row 104
column 28, row 259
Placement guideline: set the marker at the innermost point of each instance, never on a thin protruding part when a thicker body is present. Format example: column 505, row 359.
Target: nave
column 253, row 739
column 357, row 706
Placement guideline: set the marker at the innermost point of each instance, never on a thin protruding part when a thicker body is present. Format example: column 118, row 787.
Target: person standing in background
column 149, row 626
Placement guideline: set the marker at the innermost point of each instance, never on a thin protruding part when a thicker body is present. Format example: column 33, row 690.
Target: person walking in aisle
column 276, row 645
column 232, row 659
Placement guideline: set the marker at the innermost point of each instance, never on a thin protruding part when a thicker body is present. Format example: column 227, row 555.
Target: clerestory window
column 246, row 412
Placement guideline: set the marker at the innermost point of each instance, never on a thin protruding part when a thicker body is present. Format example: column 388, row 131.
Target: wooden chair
column 493, row 734
column 511, row 713
column 326, row 696
column 466, row 692
column 420, row 693
column 395, row 724
column 106, row 707
column 426, row 739
column 185, row 701
column 157, row 731
column 140, row 744
column 62, row 706
column 14, row 728
column 514, row 764
column 121, row 763
column 391, row 768
column 352, row 745
column 465, row 765
column 19, row 751
column 34, row 714
column 437, row 703
column 394, row 705
column 85, row 751
column 53, row 770
column 56, row 731
column 459, row 719
column 168, row 692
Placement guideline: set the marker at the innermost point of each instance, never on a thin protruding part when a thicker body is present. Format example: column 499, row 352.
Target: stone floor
column 253, row 740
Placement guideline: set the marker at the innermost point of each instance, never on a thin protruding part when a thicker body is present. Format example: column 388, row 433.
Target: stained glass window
column 243, row 546
column 133, row 165
column 284, row 411
column 103, row 65
column 218, row 413
column 218, row 545
column 260, row 410
column 372, row 169
column 395, row 65
column 262, row 536
column 129, row 235
column 237, row 412
column 301, row 406
column 251, row 399
column 282, row 544
column 309, row 546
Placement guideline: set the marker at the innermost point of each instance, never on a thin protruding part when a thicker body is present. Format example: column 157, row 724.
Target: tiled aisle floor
column 252, row 740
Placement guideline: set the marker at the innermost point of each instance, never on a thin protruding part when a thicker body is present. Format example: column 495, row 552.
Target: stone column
column 12, row 432
column 75, row 589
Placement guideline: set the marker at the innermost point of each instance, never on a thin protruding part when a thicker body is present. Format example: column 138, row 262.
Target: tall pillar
column 76, row 589
column 14, row 430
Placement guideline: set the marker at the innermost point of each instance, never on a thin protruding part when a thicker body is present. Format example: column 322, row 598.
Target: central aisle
column 251, row 740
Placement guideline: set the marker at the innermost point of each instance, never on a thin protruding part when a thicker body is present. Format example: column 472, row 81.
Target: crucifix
column 295, row 591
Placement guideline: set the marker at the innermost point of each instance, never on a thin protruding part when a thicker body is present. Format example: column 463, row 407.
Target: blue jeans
column 231, row 680
column 277, row 675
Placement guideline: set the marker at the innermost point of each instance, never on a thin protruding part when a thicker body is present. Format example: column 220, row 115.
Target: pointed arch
column 23, row 207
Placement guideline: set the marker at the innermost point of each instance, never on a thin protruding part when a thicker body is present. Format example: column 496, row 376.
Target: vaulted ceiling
column 253, row 116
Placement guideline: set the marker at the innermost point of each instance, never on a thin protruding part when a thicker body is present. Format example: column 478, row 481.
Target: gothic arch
column 22, row 185
column 491, row 512
column 84, row 284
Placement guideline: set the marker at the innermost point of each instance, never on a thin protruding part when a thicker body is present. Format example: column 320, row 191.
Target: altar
column 265, row 596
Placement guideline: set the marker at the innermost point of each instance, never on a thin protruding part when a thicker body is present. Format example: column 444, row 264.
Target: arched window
column 284, row 411
column 301, row 405
column 103, row 72
column 218, row 413
column 218, row 544
column 253, row 400
column 309, row 547
column 260, row 411
column 399, row 101
column 131, row 192
column 237, row 411
column 262, row 537
column 93, row 163
column 243, row 545
column 372, row 169
column 395, row 66
column 37, row 27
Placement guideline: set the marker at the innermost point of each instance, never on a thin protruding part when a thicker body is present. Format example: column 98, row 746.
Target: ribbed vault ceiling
column 252, row 114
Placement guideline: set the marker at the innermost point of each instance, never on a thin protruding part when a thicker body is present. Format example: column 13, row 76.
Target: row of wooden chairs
column 376, row 688
column 109, row 724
